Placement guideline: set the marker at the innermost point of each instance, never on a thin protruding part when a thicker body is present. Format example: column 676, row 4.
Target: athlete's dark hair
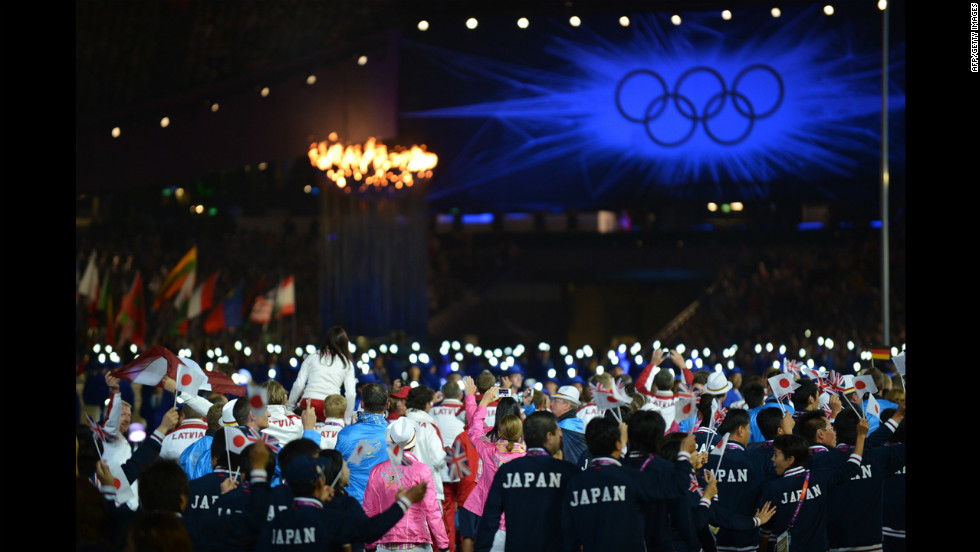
column 734, row 419
column 601, row 435
column 793, row 445
column 646, row 432
column 768, row 420
column 537, row 426
column 418, row 397
column 295, row 449
column 374, row 398
column 808, row 424
column 754, row 394
column 845, row 424
column 803, row 393
column 506, row 405
column 160, row 486
column 337, row 344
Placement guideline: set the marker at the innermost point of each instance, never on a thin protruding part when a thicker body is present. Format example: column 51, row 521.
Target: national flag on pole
column 782, row 385
column 177, row 276
column 190, row 376
column 793, row 367
column 88, row 286
column 97, row 430
column 865, row 384
column 719, row 449
column 232, row 307
column 106, row 306
column 214, row 322
column 252, row 295
column 459, row 466
column 132, row 315
column 718, row 414
column 258, row 399
column 881, row 354
column 262, row 309
column 684, row 407
column 150, row 367
column 286, row 298
column 837, row 382
column 203, row 297
column 825, row 404
column 606, row 399
column 873, row 407
column 899, row 361
column 270, row 441
column 124, row 492
column 236, row 440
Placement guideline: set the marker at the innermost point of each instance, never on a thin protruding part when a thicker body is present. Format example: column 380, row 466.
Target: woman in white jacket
column 323, row 373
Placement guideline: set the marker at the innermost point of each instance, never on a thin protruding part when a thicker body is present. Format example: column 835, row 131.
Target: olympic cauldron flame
column 371, row 165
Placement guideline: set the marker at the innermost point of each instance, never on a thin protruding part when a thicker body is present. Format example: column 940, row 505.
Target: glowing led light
column 638, row 359
column 574, row 21
column 423, row 25
column 675, row 19
column 894, row 351
column 569, row 359
column 552, row 373
column 758, row 348
column 523, row 22
column 775, row 364
column 726, row 15
column 656, row 344
column 371, row 353
column 829, row 343
column 115, row 132
column 624, row 21
column 372, row 165
column 210, row 353
column 802, row 352
column 882, row 4
column 165, row 122
column 265, row 91
column 459, row 356
column 133, row 348
column 782, row 349
column 471, row 23
column 599, row 369
column 272, row 373
column 310, row 349
column 737, row 206
column 477, row 351
column 413, row 358
column 215, row 107
column 362, row 60
column 394, row 349
column 857, row 366
column 351, row 347
column 571, row 372
column 776, row 12
column 705, row 352
column 311, row 79
column 828, row 9
column 680, row 348
column 768, row 347
column 712, row 207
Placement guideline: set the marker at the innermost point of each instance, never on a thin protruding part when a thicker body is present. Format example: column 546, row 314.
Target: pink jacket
column 492, row 455
column 421, row 519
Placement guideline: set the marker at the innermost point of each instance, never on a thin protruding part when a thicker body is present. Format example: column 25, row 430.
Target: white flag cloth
column 361, row 451
column 719, row 449
column 124, row 492
column 190, row 376
column 152, row 373
column 873, row 407
column 899, row 361
column 865, row 384
column 782, row 385
column 235, row 439
column 88, row 286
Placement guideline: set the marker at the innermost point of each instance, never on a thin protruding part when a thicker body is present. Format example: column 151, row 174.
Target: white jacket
column 283, row 425
column 429, row 448
column 320, row 376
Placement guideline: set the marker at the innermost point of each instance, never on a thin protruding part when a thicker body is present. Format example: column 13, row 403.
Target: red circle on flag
column 238, row 441
column 186, row 380
column 256, row 401
column 686, row 409
column 859, row 384
column 117, row 483
column 784, row 383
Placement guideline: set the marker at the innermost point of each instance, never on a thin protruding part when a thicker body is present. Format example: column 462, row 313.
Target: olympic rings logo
column 685, row 107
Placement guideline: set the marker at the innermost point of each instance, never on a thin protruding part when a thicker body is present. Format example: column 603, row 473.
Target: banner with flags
column 132, row 315
column 177, row 277
column 286, row 298
column 203, row 297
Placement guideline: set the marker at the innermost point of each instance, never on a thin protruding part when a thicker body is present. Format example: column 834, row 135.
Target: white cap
column 717, row 384
column 227, row 416
column 402, row 432
column 569, row 393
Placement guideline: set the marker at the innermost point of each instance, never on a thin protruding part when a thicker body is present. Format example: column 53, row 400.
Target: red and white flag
column 203, row 297
column 258, row 399
column 150, row 367
column 684, row 407
column 606, row 399
column 286, row 298
column 782, row 385
column 873, row 407
column 124, row 492
column 190, row 376
column 236, row 440
column 719, row 449
column 794, row 367
column 362, row 450
column 262, row 308
column 865, row 384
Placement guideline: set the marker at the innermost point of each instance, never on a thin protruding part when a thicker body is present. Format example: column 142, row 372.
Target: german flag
column 881, row 354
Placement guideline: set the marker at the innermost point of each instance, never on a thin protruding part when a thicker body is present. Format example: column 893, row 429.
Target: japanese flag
column 258, row 399
column 865, row 384
column 782, row 385
column 190, row 376
column 124, row 493
column 684, row 408
column 396, row 454
column 899, row 361
column 236, row 440
column 873, row 407
column 719, row 449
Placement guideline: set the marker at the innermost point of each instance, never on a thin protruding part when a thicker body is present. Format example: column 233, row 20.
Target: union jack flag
column 695, row 486
column 459, row 466
column 837, row 382
column 718, row 416
column 270, row 441
column 793, row 367
column 97, row 430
